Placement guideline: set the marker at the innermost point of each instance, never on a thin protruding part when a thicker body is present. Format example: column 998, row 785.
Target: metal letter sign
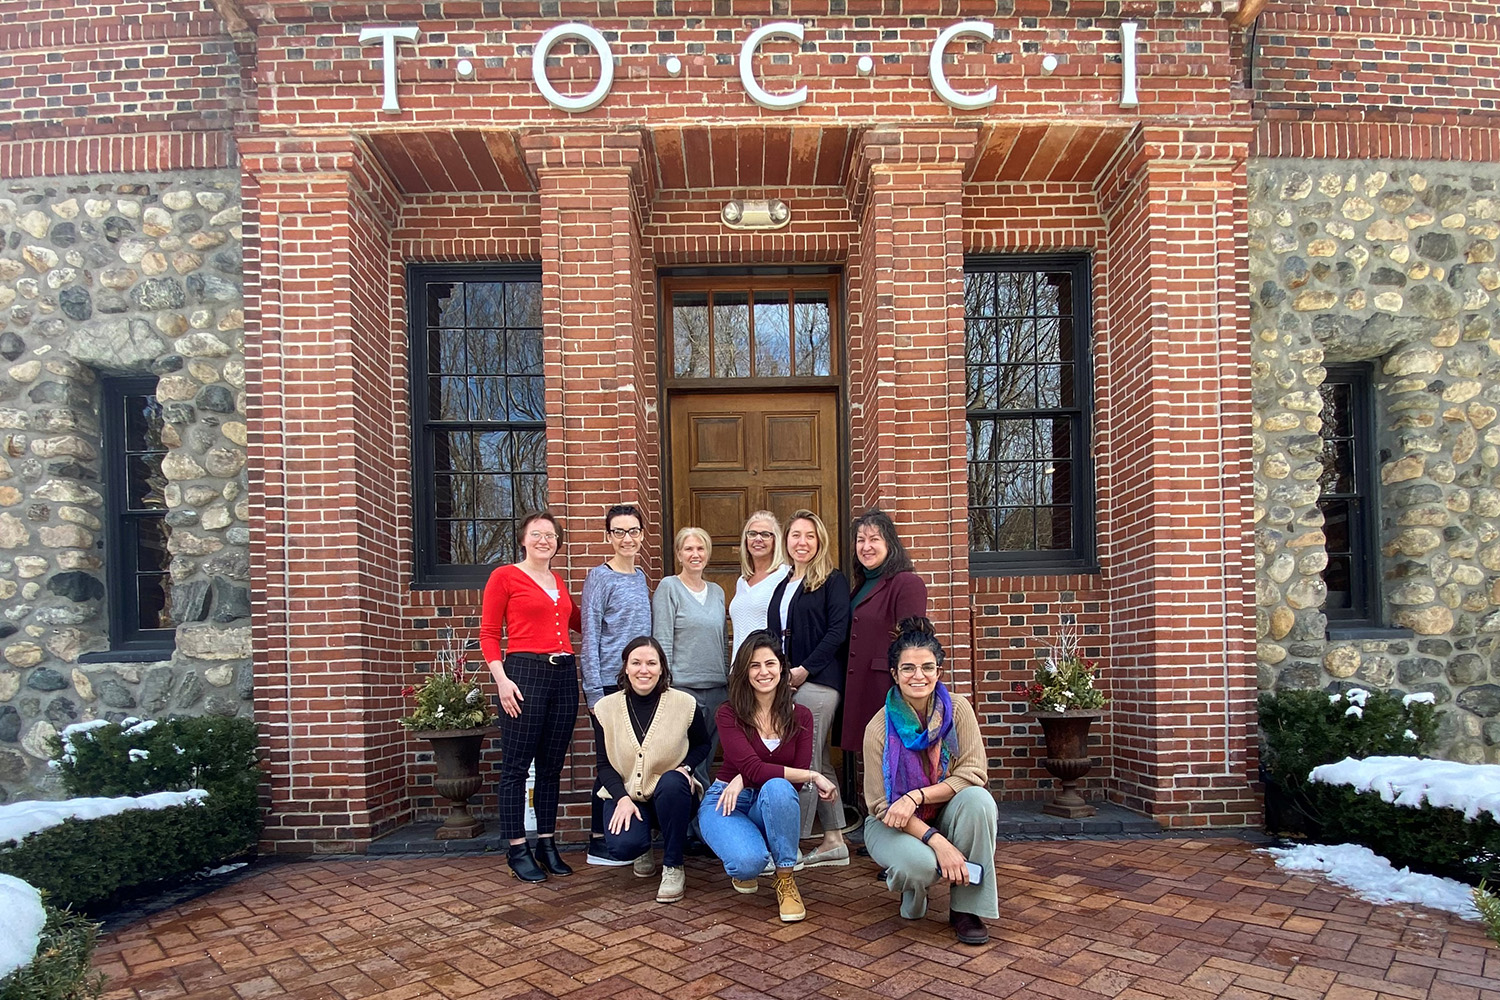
column 1128, row 97
column 759, row 94
column 583, row 33
column 406, row 33
column 964, row 102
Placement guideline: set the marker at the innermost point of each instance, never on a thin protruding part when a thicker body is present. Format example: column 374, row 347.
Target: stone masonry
column 1394, row 264
column 117, row 275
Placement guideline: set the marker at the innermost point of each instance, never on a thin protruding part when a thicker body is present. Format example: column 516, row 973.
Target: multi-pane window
column 755, row 332
column 1030, row 479
column 140, row 591
column 478, row 414
column 1346, row 496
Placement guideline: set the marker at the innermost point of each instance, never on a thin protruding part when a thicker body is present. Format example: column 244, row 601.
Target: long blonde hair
column 778, row 551
column 821, row 565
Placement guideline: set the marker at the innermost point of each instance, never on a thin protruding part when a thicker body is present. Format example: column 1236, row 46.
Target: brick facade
column 888, row 184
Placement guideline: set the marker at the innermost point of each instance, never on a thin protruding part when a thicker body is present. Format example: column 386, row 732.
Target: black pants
column 670, row 809
column 543, row 732
column 596, row 816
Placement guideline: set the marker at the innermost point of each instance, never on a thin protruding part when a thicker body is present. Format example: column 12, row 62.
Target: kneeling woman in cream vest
column 650, row 738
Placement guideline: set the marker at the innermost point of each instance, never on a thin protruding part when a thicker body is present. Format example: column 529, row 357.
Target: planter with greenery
column 1066, row 704
column 454, row 716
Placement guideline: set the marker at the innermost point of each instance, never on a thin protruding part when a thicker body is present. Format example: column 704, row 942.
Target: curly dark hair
column 915, row 632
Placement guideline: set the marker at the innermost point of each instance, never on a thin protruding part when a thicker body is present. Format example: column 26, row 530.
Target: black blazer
column 816, row 633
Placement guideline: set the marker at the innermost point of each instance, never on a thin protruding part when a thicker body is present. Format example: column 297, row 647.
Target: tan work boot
column 788, row 899
column 746, row 885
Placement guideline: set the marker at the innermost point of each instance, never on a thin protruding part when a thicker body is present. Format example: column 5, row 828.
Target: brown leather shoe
column 968, row 928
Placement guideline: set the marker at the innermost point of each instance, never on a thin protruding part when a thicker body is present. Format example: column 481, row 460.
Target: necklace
column 635, row 722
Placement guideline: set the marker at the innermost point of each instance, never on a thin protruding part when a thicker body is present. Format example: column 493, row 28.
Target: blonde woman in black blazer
column 810, row 612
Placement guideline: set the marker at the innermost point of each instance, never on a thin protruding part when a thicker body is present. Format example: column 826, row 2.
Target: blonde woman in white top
column 763, row 565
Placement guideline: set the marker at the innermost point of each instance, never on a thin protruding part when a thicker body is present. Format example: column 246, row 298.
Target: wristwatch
column 932, row 831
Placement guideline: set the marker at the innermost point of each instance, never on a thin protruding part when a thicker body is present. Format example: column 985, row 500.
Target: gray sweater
column 692, row 634
column 616, row 608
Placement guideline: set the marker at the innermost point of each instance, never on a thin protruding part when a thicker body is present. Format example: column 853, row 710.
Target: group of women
column 806, row 645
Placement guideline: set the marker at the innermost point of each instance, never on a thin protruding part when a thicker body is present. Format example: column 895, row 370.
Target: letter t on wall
column 389, row 36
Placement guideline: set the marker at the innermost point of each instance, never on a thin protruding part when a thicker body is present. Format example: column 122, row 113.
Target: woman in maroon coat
column 886, row 591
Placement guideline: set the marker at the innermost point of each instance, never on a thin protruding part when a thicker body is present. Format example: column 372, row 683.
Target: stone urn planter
column 1067, row 760
column 456, row 754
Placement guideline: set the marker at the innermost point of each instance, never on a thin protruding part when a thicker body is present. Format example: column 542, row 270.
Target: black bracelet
column 932, row 831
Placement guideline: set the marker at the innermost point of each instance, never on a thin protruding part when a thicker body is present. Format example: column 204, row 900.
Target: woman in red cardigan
column 886, row 591
column 538, row 683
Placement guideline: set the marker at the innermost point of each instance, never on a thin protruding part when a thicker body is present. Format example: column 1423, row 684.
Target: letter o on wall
column 556, row 98
column 954, row 98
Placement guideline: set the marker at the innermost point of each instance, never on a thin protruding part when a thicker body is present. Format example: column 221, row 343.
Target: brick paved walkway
column 1127, row 919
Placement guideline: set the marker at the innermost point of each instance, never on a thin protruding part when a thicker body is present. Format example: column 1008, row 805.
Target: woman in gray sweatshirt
column 687, row 617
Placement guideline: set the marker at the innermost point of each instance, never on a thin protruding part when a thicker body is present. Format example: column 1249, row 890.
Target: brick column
column 324, row 431
column 1173, row 454
column 603, row 444
column 906, row 359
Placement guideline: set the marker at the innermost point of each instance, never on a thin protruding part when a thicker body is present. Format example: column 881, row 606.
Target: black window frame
column 1082, row 556
column 127, row 641
column 428, row 573
column 1367, row 607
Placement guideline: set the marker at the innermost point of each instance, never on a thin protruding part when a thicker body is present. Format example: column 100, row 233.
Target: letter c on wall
column 760, row 95
column 962, row 101
column 556, row 98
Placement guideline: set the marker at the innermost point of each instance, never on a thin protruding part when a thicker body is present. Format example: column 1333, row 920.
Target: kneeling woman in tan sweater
column 650, row 737
column 931, row 812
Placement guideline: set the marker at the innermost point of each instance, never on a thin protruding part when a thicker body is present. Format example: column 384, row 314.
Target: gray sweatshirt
column 616, row 608
column 691, row 633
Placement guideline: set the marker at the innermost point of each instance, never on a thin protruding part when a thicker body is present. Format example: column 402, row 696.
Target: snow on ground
column 225, row 869
column 20, row 819
column 21, row 922
column 1372, row 878
column 1411, row 781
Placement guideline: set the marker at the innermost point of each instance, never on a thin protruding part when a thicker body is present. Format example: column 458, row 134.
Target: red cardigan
column 532, row 621
column 746, row 755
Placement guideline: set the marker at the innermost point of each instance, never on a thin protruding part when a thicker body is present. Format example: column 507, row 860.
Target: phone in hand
column 976, row 873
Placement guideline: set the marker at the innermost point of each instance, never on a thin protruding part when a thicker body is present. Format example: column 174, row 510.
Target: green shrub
column 1302, row 729
column 1488, row 906
column 97, row 863
column 1431, row 839
column 215, row 753
column 61, row 969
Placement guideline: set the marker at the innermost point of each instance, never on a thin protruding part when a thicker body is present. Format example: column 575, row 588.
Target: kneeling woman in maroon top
column 538, row 684
column 750, row 816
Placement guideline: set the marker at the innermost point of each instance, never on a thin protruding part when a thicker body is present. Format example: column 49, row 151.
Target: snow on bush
column 21, row 921
column 21, row 819
column 1372, row 878
column 1411, row 781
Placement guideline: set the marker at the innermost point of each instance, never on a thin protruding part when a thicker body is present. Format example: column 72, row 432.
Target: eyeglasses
column 620, row 534
column 763, row 535
column 541, row 536
column 912, row 669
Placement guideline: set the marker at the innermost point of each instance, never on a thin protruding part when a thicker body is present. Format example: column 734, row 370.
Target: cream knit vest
column 641, row 763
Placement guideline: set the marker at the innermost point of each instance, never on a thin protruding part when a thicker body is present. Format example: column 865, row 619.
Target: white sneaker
column 770, row 868
column 597, row 855
column 645, row 866
column 673, row 884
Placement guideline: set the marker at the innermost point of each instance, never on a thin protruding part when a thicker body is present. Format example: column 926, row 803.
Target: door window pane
column 773, row 334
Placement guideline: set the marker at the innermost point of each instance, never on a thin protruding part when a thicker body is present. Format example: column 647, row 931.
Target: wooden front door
column 738, row 452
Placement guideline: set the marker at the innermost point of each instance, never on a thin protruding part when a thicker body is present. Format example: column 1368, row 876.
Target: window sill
column 1345, row 633
column 155, row 655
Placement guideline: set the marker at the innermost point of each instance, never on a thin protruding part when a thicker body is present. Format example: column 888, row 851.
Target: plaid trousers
column 543, row 732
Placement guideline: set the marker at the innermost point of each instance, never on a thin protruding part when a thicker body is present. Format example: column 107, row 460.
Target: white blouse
column 750, row 609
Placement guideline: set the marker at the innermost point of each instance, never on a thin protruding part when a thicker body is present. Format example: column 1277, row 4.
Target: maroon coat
column 869, row 675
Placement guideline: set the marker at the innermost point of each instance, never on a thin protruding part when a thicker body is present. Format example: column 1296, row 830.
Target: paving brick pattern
column 1179, row 919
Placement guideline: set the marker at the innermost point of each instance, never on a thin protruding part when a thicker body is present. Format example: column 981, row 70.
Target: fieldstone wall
column 117, row 275
column 1392, row 263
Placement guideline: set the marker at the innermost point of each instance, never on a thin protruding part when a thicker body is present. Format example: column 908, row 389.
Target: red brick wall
column 86, row 69
column 1409, row 79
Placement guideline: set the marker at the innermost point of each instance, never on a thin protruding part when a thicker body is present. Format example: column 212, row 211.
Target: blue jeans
column 763, row 827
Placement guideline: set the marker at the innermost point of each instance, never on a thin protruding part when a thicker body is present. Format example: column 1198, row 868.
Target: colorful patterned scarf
column 917, row 754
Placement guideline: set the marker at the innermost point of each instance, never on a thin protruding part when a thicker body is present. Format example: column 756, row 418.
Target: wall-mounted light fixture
column 739, row 214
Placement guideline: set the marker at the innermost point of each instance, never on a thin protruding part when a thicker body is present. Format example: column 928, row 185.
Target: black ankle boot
column 546, row 853
column 522, row 865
